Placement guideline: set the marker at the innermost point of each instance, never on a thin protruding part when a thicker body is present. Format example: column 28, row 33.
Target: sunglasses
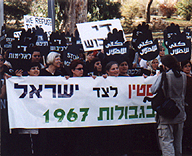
column 79, row 69
column 98, row 64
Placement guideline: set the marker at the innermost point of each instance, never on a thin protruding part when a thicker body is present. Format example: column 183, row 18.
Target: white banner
column 41, row 22
column 54, row 102
column 92, row 34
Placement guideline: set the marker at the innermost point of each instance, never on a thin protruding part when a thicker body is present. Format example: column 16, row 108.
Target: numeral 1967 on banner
column 71, row 115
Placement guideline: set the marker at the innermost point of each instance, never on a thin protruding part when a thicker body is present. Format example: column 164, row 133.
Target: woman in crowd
column 97, row 67
column 170, row 131
column 112, row 69
column 186, row 67
column 153, row 65
column 5, row 137
column 34, row 69
column 53, row 62
column 87, row 67
column 76, row 68
column 123, row 68
column 26, row 141
column 187, row 137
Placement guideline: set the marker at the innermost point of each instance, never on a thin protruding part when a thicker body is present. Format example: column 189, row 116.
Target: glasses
column 98, row 64
column 36, row 55
column 79, row 69
column 2, row 60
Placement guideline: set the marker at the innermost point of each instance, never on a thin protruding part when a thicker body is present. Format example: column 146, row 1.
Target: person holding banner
column 170, row 131
column 77, row 68
column 123, row 67
column 187, row 136
column 5, row 136
column 112, row 69
column 54, row 62
column 97, row 67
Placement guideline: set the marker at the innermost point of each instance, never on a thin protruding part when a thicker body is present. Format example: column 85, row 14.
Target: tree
column 129, row 10
column 167, row 9
column 184, row 8
column 15, row 9
column 103, row 10
column 39, row 8
column 148, row 13
column 70, row 12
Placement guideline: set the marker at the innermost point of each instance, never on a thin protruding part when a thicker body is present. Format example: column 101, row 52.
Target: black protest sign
column 138, row 72
column 143, row 43
column 115, row 46
column 135, row 35
column 77, row 37
column 68, row 38
column 57, row 42
column 42, row 40
column 3, row 33
column 20, row 54
column 178, row 44
column 169, row 32
column 8, row 38
column 70, row 54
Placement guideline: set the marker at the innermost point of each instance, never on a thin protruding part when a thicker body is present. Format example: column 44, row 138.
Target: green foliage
column 103, row 10
column 167, row 9
column 129, row 12
column 15, row 9
column 184, row 8
column 61, row 16
column 39, row 8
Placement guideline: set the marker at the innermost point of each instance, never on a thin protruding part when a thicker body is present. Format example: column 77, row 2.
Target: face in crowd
column 162, row 52
column 90, row 57
column 76, row 68
column 98, row 66
column 54, row 59
column 154, row 64
column 57, row 62
column 123, row 68
column 36, row 56
column 78, row 71
column 112, row 69
column 187, row 68
column 34, row 71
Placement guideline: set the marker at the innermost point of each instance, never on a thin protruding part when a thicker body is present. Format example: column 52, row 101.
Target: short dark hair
column 183, row 63
column 170, row 62
column 33, row 64
column 74, row 64
column 96, row 59
column 35, row 49
column 108, row 66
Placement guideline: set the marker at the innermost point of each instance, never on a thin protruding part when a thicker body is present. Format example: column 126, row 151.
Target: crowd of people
column 93, row 64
